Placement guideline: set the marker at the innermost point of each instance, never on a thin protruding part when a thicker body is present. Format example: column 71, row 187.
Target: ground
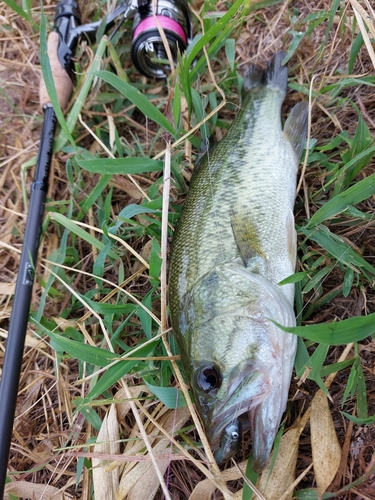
column 49, row 432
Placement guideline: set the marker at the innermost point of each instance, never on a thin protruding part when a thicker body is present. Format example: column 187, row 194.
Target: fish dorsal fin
column 291, row 238
column 206, row 148
column 247, row 241
column 295, row 127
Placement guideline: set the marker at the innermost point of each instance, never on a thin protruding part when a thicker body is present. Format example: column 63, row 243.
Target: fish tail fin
column 255, row 77
column 277, row 73
column 275, row 76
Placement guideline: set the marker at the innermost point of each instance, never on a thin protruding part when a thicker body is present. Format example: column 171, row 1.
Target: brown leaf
column 326, row 449
column 106, row 482
column 7, row 288
column 123, row 407
column 146, row 254
column 142, row 483
column 205, row 489
column 127, row 186
column 274, row 484
column 26, row 490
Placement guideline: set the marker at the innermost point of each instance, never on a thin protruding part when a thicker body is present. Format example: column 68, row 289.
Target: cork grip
column 63, row 83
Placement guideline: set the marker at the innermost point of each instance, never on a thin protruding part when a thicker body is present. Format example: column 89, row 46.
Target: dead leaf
column 95, row 148
column 326, row 449
column 238, row 494
column 127, row 186
column 34, row 342
column 64, row 323
column 26, row 490
column 123, row 408
column 205, row 489
column 112, row 129
column 7, row 288
column 106, row 482
column 141, row 482
column 274, row 484
column 145, row 253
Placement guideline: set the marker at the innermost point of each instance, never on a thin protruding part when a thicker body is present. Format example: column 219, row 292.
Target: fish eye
column 208, row 378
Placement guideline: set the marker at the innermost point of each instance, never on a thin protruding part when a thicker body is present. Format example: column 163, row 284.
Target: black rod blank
column 22, row 298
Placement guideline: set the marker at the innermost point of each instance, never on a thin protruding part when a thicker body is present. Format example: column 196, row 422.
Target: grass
column 99, row 329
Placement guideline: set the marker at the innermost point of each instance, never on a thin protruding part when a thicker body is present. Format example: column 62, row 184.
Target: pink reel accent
column 165, row 22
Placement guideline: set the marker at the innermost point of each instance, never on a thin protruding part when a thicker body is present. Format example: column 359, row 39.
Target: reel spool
column 148, row 51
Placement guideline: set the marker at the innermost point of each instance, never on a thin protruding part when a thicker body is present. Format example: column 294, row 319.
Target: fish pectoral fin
column 291, row 238
column 295, row 127
column 247, row 241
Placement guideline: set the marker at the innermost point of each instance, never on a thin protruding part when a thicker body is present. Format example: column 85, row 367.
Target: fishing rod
column 64, row 21
column 150, row 58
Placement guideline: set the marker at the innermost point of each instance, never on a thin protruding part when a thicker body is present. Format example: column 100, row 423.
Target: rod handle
column 63, row 83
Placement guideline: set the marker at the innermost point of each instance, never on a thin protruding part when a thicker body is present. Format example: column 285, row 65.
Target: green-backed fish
column 234, row 242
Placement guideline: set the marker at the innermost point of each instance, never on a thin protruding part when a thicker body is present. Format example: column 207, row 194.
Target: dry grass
column 48, row 435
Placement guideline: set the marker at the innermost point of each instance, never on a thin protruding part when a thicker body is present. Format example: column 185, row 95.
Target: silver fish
column 234, row 242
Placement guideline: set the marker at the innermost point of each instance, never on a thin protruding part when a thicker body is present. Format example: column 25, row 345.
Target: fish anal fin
column 295, row 127
column 247, row 241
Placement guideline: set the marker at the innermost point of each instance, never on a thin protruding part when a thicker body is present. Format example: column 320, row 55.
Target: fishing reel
column 148, row 51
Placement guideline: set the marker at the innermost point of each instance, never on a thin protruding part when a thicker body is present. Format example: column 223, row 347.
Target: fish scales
column 234, row 242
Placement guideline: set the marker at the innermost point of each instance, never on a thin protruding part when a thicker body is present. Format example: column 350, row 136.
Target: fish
column 234, row 242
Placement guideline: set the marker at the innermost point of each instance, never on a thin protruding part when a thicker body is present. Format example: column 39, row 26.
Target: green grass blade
column 132, row 210
column 252, row 476
column 302, row 357
column 354, row 51
column 316, row 361
column 81, row 98
column 218, row 28
column 114, row 373
column 338, row 248
column 48, row 79
column 318, row 278
column 19, row 10
column 355, row 194
column 79, row 231
column 361, row 394
column 359, row 421
column 101, row 185
column 337, row 333
column 120, row 165
column 335, row 367
column 100, row 308
column 138, row 99
column 90, row 415
column 294, row 278
column 348, row 282
column 170, row 396
column 84, row 352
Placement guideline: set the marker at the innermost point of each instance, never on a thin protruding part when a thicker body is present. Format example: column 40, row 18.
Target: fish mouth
column 251, row 402
column 247, row 389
